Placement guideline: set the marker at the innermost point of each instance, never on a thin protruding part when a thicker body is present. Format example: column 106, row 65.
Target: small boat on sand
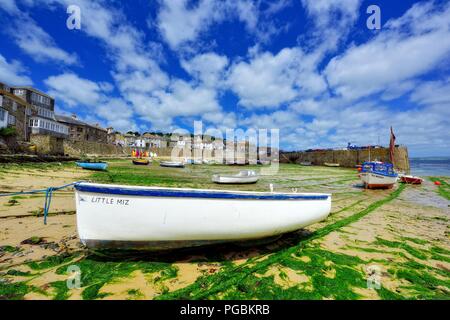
column 378, row 175
column 98, row 166
column 141, row 162
column 327, row 164
column 243, row 177
column 172, row 164
column 156, row 218
column 410, row 179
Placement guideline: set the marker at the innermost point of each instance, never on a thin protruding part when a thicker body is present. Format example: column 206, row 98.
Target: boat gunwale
column 195, row 193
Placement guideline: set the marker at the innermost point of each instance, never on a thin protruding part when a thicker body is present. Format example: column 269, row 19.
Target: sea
column 430, row 166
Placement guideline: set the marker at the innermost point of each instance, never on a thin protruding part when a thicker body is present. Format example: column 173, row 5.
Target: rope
column 48, row 195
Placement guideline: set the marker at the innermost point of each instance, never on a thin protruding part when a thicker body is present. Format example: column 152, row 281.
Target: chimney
column 74, row 116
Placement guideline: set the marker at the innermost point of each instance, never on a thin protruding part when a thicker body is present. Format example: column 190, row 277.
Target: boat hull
column 331, row 164
column 141, row 162
column 234, row 180
column 96, row 166
column 157, row 218
column 411, row 180
column 377, row 181
column 168, row 164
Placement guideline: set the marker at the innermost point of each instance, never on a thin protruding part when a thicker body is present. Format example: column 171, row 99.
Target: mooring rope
column 48, row 195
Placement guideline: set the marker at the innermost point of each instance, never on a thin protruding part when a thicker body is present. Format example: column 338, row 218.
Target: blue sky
column 310, row 68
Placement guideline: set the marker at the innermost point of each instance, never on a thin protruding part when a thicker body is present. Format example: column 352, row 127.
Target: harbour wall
column 349, row 158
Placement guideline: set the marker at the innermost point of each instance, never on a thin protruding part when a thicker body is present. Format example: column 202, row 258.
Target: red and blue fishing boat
column 378, row 175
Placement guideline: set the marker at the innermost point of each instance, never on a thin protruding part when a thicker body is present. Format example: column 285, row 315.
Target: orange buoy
column 438, row 183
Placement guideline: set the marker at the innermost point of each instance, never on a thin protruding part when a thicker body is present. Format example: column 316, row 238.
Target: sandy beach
column 401, row 237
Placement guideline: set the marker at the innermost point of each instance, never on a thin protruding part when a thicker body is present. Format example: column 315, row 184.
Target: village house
column 155, row 141
column 130, row 139
column 83, row 131
column 14, row 112
column 42, row 114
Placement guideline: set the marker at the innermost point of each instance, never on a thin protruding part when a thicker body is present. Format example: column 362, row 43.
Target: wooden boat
column 99, row 166
column 124, row 217
column 378, row 175
column 306, row 163
column 141, row 162
column 327, row 164
column 411, row 179
column 243, row 177
column 172, row 164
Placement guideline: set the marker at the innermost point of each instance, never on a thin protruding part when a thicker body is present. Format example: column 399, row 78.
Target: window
column 11, row 120
column 14, row 106
column 1, row 101
column 2, row 114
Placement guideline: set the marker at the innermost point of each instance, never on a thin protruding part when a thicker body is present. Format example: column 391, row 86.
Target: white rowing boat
column 327, row 164
column 243, row 177
column 172, row 164
column 114, row 216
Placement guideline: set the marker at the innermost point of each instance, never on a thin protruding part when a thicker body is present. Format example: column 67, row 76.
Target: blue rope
column 48, row 195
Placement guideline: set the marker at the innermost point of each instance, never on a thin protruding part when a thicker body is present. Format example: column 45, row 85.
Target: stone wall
column 349, row 158
column 48, row 145
column 78, row 148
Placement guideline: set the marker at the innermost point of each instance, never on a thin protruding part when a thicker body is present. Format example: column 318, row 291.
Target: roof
column 69, row 120
column 73, row 121
column 35, row 90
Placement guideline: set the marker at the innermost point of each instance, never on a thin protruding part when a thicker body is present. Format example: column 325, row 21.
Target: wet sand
column 406, row 239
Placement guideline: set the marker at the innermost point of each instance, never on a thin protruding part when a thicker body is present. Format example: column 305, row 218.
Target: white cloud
column 393, row 56
column 207, row 68
column 78, row 92
column 13, row 73
column 180, row 99
column 332, row 20
column 180, row 24
column 269, row 80
column 32, row 39
column 39, row 44
column 432, row 92
column 73, row 90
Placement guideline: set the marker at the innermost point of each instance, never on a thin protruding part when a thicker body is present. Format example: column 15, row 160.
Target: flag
column 392, row 146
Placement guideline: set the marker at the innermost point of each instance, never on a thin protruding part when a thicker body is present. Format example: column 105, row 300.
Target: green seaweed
column 207, row 286
column 51, row 262
column 13, row 272
column 424, row 285
column 400, row 245
column 135, row 294
column 415, row 240
column 13, row 291
column 443, row 189
column 62, row 291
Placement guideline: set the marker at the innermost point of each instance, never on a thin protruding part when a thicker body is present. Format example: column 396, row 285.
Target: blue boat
column 99, row 166
column 378, row 175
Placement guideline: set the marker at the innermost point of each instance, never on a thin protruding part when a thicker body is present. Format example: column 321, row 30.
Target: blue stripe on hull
column 193, row 193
